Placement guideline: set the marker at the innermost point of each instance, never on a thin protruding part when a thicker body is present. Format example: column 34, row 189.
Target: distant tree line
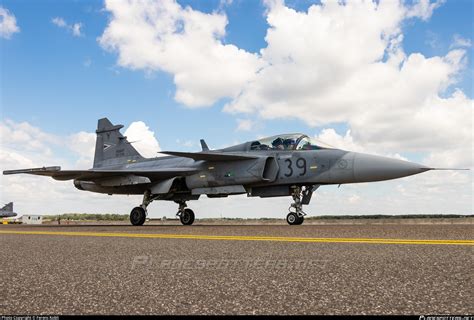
column 403, row 216
column 125, row 217
column 88, row 216
column 375, row 216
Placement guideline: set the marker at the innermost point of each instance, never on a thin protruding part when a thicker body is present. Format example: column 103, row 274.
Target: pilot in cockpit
column 278, row 144
column 288, row 144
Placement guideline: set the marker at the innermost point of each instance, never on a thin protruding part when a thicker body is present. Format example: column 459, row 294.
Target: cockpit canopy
column 293, row 141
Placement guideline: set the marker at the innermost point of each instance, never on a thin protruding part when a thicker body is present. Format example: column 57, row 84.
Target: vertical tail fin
column 111, row 146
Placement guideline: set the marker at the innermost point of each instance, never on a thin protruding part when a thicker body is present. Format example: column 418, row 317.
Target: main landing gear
column 186, row 215
column 301, row 196
column 138, row 214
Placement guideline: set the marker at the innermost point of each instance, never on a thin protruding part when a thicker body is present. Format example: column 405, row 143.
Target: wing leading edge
column 93, row 174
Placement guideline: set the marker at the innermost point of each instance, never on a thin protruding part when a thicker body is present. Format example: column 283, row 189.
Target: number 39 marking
column 300, row 164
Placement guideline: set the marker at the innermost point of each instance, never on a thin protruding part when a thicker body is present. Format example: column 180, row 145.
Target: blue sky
column 50, row 86
column 61, row 83
column 46, row 81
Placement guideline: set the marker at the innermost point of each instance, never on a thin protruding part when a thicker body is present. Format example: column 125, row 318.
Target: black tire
column 187, row 217
column 292, row 219
column 137, row 216
column 300, row 220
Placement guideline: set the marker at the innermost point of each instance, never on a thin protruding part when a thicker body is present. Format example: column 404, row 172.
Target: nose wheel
column 293, row 219
column 300, row 197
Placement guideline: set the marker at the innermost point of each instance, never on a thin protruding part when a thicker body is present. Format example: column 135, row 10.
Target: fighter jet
column 283, row 165
column 7, row 211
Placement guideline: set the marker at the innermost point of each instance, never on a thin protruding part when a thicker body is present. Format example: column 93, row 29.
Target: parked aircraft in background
column 7, row 211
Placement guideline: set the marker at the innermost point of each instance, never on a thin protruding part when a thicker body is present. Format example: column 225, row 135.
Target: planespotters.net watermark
column 222, row 264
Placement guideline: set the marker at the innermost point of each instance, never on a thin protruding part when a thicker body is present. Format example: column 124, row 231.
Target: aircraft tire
column 187, row 217
column 292, row 219
column 137, row 216
column 300, row 220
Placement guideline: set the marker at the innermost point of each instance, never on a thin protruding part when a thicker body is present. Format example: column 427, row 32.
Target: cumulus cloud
column 8, row 24
column 186, row 43
column 423, row 9
column 74, row 28
column 460, row 42
column 143, row 139
column 245, row 125
column 83, row 145
column 23, row 136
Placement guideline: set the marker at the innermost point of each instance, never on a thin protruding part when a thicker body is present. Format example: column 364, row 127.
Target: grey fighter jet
column 7, row 211
column 284, row 165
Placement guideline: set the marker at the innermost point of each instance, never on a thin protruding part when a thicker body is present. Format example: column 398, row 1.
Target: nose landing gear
column 301, row 196
column 293, row 219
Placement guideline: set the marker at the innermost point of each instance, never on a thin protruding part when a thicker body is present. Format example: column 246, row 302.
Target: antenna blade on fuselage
column 204, row 145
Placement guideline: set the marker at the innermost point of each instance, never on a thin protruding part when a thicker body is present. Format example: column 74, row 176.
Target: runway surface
column 267, row 269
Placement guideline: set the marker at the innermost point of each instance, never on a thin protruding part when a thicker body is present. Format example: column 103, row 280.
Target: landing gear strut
column 138, row 214
column 186, row 215
column 301, row 196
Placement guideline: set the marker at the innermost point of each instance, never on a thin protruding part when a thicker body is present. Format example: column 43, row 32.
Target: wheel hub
column 186, row 216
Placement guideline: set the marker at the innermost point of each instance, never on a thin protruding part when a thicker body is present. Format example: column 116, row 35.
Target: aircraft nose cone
column 375, row 168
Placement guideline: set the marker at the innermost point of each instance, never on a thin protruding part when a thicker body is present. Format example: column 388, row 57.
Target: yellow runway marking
column 245, row 238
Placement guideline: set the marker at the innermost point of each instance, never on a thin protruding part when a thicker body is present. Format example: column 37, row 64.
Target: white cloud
column 423, row 9
column 186, row 143
column 8, row 24
column 83, row 145
column 245, row 125
column 460, row 42
column 184, row 42
column 345, row 142
column 25, row 137
column 143, row 139
column 74, row 28
column 59, row 22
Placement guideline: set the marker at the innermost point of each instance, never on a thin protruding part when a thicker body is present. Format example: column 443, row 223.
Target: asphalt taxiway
column 222, row 269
